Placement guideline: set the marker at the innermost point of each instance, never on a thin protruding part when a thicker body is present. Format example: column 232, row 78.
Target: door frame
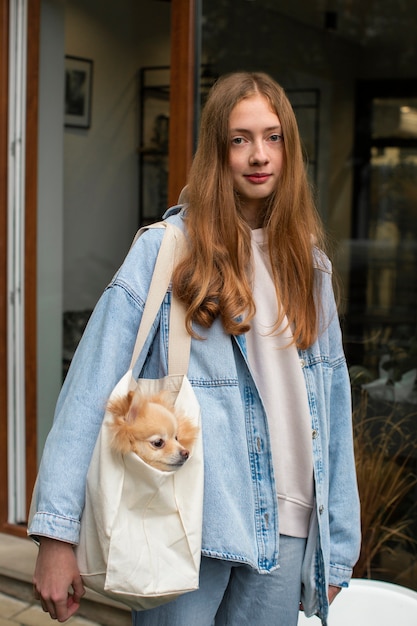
column 4, row 74
column 30, row 251
column 184, row 55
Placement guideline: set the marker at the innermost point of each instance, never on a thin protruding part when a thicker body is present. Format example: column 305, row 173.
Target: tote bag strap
column 179, row 342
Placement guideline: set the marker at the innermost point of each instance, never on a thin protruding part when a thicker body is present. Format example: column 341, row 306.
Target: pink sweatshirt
column 278, row 375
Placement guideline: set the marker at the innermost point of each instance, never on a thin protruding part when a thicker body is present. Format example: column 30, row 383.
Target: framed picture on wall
column 78, row 91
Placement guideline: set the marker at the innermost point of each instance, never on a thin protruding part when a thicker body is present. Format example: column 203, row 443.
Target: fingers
column 57, row 583
column 78, row 590
column 60, row 609
column 333, row 592
column 48, row 605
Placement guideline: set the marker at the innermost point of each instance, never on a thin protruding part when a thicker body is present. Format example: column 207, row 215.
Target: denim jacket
column 241, row 517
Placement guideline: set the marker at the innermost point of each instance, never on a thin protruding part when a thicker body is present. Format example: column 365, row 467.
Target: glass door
column 383, row 289
column 381, row 323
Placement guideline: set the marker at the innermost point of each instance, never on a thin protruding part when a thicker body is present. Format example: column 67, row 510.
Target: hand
column 56, row 572
column 332, row 592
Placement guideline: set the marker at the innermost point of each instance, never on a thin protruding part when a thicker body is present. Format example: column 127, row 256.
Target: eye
column 238, row 141
column 157, row 443
column 276, row 138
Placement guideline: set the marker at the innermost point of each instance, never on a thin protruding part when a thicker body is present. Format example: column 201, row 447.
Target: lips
column 259, row 178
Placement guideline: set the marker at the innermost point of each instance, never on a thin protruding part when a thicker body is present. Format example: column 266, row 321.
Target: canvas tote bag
column 140, row 540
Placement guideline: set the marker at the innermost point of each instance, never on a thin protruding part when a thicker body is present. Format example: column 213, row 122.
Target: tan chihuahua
column 149, row 426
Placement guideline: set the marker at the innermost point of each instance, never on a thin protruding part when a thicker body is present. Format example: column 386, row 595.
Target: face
column 255, row 154
column 157, row 438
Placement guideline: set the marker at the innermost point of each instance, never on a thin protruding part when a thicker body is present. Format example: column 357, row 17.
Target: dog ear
column 119, row 406
column 138, row 404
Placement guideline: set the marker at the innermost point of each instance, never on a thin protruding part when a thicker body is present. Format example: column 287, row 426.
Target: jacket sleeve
column 344, row 510
column 343, row 499
column 102, row 358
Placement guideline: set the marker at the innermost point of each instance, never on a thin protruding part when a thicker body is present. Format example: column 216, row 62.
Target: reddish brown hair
column 214, row 279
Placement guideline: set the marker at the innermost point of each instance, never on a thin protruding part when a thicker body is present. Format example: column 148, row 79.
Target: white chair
column 370, row 603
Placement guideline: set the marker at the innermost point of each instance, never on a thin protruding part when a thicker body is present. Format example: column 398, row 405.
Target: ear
column 119, row 406
column 138, row 404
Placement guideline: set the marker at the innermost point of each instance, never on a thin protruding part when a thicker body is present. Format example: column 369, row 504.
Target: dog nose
column 185, row 454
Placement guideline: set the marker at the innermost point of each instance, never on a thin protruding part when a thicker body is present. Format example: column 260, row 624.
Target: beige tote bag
column 140, row 539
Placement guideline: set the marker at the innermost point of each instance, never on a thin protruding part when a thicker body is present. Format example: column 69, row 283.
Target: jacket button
column 321, row 509
column 302, row 363
column 314, row 433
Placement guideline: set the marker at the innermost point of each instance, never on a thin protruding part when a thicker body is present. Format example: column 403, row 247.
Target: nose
column 259, row 155
column 184, row 454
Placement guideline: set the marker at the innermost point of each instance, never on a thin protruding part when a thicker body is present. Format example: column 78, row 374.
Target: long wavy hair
column 214, row 278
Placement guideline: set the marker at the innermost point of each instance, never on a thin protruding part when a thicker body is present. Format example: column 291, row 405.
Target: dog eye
column 158, row 443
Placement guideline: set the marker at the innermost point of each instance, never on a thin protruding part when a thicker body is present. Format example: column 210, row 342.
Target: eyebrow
column 278, row 129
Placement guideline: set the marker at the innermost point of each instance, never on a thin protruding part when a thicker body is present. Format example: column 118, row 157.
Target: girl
column 281, row 511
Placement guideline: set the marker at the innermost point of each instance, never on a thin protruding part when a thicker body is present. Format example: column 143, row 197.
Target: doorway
column 383, row 290
column 137, row 34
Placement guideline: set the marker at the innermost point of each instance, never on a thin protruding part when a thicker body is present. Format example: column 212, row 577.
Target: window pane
column 394, row 117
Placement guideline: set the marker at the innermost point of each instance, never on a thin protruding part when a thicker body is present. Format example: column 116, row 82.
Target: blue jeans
column 231, row 594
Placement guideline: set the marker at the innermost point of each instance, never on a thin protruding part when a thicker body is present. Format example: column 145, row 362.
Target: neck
column 253, row 216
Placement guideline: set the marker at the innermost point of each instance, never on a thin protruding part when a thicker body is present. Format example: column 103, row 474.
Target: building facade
column 99, row 108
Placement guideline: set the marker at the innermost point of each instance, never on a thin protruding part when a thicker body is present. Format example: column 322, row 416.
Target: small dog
column 149, row 426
